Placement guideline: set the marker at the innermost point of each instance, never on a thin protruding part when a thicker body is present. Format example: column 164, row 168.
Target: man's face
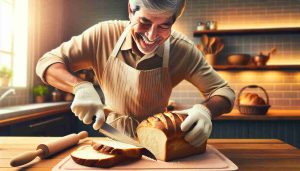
column 150, row 30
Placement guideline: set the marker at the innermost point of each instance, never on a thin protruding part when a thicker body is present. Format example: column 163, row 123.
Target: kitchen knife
column 114, row 134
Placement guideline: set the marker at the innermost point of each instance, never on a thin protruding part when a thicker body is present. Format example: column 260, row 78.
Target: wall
column 80, row 15
column 283, row 87
column 45, row 33
column 57, row 21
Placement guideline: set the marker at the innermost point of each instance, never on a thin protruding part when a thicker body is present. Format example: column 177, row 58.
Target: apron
column 134, row 94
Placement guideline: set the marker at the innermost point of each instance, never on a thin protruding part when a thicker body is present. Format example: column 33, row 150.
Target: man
column 137, row 64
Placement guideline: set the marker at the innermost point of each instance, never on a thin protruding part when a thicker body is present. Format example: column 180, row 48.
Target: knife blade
column 114, row 134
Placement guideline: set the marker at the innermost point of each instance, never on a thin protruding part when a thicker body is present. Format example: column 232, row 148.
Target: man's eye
column 145, row 24
column 164, row 26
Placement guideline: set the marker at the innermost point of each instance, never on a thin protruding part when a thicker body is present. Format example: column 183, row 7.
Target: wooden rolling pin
column 48, row 149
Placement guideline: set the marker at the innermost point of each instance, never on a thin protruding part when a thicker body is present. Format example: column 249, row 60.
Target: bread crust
column 168, row 122
column 106, row 148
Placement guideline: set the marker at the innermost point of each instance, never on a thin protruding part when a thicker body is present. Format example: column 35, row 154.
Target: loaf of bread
column 162, row 135
column 251, row 99
column 106, row 153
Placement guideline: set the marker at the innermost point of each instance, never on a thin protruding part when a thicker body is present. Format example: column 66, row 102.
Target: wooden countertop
column 247, row 154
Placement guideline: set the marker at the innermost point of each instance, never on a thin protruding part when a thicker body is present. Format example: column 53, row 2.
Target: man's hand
column 87, row 104
column 199, row 116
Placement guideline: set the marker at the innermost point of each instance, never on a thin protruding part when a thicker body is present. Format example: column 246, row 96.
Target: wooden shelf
column 288, row 30
column 273, row 114
column 252, row 67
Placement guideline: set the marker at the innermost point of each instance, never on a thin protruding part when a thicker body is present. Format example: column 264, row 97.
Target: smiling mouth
column 147, row 41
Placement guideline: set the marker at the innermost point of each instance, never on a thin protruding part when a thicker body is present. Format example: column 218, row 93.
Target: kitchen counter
column 272, row 114
column 247, row 154
column 15, row 114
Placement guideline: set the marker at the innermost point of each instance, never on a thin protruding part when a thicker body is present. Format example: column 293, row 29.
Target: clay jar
column 211, row 59
column 56, row 96
column 260, row 60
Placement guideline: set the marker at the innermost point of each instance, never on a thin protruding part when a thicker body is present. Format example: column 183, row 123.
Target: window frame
column 11, row 52
column 19, row 39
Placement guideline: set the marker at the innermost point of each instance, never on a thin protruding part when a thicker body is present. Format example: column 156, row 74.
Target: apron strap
column 120, row 41
column 166, row 54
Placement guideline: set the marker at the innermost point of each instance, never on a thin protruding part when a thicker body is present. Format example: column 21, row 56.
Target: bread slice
column 161, row 134
column 117, row 148
column 87, row 156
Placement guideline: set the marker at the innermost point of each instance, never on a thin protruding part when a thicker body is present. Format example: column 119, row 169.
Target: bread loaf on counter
column 162, row 135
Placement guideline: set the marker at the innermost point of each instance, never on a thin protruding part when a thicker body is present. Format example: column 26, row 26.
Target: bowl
column 238, row 59
column 260, row 60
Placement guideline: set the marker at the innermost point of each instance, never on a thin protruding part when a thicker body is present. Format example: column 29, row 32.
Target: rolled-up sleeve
column 76, row 53
column 206, row 79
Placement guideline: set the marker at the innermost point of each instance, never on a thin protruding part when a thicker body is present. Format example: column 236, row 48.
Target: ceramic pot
column 211, row 59
column 4, row 82
column 40, row 99
column 69, row 97
column 260, row 60
column 56, row 96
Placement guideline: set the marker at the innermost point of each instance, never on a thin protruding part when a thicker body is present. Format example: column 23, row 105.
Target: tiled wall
column 283, row 87
column 79, row 15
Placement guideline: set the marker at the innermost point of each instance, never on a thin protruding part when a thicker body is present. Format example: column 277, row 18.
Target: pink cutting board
column 212, row 159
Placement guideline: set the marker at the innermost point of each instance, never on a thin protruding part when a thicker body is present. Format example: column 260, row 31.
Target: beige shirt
column 92, row 48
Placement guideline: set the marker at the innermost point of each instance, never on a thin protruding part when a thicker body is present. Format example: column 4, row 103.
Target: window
column 13, row 39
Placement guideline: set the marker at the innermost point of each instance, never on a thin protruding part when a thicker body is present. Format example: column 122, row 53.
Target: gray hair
column 174, row 7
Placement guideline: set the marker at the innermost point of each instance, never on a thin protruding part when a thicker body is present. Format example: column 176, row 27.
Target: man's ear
column 130, row 12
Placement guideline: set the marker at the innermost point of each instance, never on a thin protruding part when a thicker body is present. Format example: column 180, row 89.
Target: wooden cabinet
column 286, row 130
column 279, row 124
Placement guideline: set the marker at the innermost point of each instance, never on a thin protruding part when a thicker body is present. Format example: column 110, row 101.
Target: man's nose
column 152, row 33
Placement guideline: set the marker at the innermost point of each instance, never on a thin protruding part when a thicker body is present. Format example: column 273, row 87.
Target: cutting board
column 212, row 159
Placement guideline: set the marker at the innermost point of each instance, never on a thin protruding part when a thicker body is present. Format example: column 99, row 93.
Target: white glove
column 87, row 104
column 200, row 116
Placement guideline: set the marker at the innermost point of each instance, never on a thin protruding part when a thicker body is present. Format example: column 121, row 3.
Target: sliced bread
column 117, row 148
column 87, row 156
